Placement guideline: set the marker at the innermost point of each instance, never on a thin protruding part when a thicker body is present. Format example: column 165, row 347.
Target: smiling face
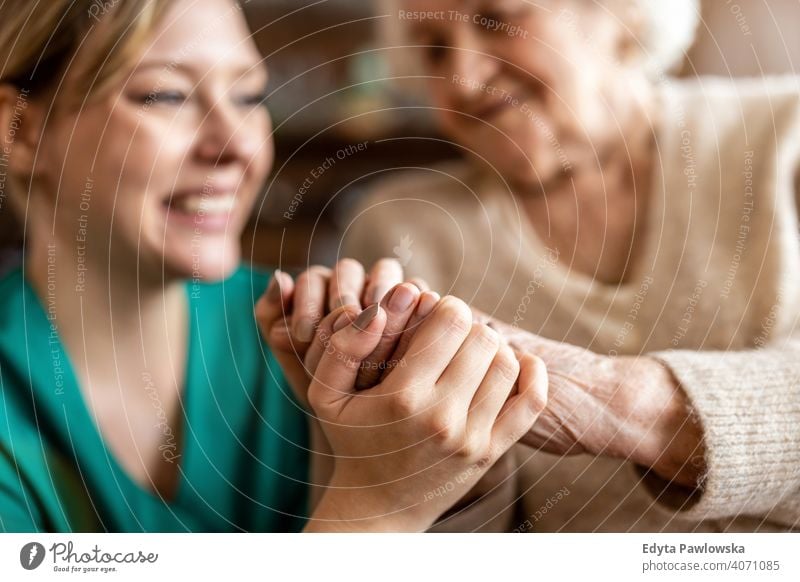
column 534, row 86
column 162, row 171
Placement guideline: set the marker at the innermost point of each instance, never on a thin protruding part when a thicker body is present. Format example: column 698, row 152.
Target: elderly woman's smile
column 528, row 101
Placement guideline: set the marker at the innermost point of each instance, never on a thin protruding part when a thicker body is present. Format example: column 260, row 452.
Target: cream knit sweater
column 715, row 297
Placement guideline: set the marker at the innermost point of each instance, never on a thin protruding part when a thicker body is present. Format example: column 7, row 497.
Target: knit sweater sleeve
column 749, row 406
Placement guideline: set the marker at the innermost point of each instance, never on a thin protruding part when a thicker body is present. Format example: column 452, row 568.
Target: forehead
column 433, row 5
column 203, row 32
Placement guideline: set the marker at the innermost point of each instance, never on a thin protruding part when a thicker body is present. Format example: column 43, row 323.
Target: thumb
column 274, row 307
column 334, row 380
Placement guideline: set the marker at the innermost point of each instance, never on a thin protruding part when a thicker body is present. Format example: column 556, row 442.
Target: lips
column 492, row 110
column 202, row 202
column 493, row 107
column 205, row 208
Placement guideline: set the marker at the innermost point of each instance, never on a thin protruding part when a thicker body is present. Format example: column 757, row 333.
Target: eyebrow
column 240, row 70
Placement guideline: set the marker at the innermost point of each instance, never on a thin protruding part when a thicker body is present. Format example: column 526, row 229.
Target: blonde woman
column 135, row 392
column 637, row 232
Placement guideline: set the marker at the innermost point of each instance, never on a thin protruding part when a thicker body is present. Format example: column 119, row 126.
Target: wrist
column 357, row 510
column 671, row 436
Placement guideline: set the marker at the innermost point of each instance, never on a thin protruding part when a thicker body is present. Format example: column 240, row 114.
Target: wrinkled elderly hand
column 623, row 407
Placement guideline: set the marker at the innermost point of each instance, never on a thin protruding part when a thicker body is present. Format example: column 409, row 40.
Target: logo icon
column 403, row 251
column 32, row 555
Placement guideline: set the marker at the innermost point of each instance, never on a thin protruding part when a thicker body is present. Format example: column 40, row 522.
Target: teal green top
column 244, row 458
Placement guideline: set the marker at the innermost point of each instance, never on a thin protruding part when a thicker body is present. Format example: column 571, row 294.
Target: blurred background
column 329, row 93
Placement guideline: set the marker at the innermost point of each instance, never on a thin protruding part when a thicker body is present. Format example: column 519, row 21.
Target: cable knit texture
column 715, row 296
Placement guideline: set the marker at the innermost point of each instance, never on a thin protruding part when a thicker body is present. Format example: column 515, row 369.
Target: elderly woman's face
column 164, row 171
column 523, row 83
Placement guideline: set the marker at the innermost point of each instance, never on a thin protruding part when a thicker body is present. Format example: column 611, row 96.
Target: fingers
column 495, row 389
column 384, row 275
column 470, row 365
column 335, row 376
column 420, row 283
column 520, row 412
column 332, row 323
column 272, row 309
column 435, row 344
column 399, row 305
column 347, row 284
column 309, row 303
column 427, row 301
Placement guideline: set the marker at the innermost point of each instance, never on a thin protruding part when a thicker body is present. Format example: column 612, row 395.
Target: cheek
column 82, row 168
column 446, row 111
column 263, row 157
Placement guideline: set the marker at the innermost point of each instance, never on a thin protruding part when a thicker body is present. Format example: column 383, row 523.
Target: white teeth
column 205, row 204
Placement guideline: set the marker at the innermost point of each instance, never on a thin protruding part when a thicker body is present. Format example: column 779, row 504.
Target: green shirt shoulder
column 244, row 456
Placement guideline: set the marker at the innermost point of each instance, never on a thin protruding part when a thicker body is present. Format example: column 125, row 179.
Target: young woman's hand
column 289, row 313
column 408, row 449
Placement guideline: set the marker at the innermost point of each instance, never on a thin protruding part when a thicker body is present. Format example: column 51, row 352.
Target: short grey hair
column 667, row 31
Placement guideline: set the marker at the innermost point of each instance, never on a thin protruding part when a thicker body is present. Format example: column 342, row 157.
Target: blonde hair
column 40, row 38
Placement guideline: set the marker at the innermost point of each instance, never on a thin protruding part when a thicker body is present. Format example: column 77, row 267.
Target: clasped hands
column 414, row 391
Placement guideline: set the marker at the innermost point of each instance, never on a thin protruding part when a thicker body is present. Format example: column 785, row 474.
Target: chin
column 207, row 262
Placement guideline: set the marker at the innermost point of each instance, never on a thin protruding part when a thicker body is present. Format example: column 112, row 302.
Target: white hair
column 667, row 31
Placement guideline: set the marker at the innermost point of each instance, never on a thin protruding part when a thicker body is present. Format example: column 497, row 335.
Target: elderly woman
column 135, row 393
column 637, row 232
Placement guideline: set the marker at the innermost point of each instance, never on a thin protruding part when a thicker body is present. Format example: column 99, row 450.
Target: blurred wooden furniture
column 337, row 123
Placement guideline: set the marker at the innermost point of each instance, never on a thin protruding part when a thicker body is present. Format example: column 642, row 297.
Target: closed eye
column 256, row 100
column 164, row 98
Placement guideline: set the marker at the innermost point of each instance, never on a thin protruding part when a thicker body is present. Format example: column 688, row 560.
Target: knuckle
column 340, row 346
column 262, row 311
column 475, row 448
column 319, row 271
column 506, row 366
column 441, row 430
column 303, row 281
column 446, row 433
column 404, row 404
column 537, row 402
column 315, row 397
column 389, row 264
column 456, row 315
column 485, row 338
column 539, row 394
column 349, row 264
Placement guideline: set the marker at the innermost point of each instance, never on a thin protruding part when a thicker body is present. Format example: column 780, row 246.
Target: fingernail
column 342, row 322
column 427, row 303
column 274, row 289
column 401, row 300
column 367, row 316
column 304, row 331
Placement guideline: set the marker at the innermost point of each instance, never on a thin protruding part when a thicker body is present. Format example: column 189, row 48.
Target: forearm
column 361, row 509
column 671, row 443
column 322, row 463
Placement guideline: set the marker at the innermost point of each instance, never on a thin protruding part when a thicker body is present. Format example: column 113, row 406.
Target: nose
column 472, row 67
column 226, row 136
